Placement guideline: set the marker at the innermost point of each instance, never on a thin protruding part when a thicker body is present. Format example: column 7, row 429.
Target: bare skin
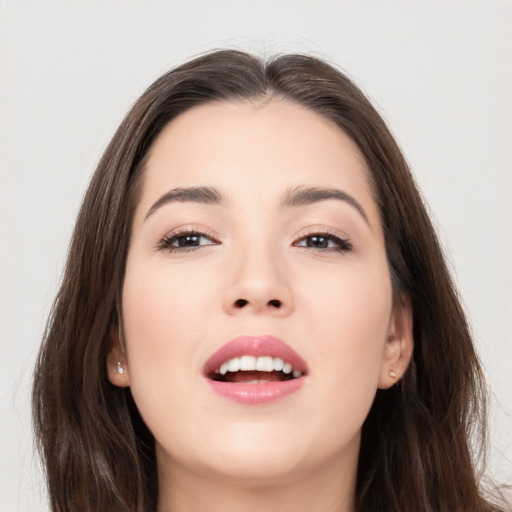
column 313, row 274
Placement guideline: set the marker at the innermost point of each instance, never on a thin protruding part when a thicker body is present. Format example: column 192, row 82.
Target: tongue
column 254, row 376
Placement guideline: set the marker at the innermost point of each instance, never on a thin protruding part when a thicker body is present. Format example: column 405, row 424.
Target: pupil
column 188, row 241
column 317, row 241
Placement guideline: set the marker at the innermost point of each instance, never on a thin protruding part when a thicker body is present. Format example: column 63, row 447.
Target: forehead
column 254, row 149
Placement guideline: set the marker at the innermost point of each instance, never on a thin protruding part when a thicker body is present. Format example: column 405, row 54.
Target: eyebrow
column 300, row 196
column 204, row 195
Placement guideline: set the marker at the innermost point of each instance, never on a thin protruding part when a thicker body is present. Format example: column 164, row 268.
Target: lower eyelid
column 165, row 243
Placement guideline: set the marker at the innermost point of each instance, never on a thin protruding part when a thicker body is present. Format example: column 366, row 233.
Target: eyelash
column 342, row 244
column 166, row 243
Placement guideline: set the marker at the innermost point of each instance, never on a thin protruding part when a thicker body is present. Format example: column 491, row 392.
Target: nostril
column 274, row 303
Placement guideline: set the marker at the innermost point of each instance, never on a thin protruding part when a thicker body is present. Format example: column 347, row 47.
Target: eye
column 324, row 242
column 184, row 241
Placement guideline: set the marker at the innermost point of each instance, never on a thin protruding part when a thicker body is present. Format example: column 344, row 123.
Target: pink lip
column 261, row 392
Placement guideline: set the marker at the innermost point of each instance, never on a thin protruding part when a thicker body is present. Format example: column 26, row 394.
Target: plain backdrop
column 439, row 71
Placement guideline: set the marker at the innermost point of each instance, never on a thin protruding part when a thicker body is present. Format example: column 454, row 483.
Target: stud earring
column 120, row 369
column 392, row 374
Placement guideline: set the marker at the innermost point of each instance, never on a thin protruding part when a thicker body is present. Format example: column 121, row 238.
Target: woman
column 256, row 313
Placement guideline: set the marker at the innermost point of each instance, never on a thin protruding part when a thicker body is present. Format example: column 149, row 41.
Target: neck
column 329, row 487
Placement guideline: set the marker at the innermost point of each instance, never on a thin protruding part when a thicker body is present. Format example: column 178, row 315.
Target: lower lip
column 257, row 392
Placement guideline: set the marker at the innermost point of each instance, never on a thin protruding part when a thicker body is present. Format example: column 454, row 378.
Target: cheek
column 356, row 293
column 351, row 312
column 160, row 306
column 163, row 321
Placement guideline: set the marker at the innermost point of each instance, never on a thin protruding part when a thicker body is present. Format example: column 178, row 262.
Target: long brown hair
column 416, row 441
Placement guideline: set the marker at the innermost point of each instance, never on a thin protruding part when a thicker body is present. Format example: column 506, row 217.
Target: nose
column 258, row 285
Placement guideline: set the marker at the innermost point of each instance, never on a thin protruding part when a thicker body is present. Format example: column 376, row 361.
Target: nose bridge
column 258, row 280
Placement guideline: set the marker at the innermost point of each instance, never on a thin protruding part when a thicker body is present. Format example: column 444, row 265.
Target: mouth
column 250, row 369
column 255, row 370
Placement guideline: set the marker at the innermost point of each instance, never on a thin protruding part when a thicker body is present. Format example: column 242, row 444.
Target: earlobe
column 117, row 363
column 399, row 344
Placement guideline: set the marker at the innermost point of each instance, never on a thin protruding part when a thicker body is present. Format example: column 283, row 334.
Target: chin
column 256, row 468
column 254, row 455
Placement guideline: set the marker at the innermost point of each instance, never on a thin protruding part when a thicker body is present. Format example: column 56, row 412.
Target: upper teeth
column 261, row 364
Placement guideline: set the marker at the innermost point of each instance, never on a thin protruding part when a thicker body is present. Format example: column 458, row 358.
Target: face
column 257, row 235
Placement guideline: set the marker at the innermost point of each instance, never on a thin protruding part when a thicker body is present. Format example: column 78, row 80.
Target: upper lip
column 255, row 346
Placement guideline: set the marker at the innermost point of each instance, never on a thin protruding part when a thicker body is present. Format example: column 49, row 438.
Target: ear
column 117, row 362
column 399, row 344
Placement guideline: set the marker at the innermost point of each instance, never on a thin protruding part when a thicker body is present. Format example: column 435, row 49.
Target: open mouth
column 253, row 370
column 250, row 369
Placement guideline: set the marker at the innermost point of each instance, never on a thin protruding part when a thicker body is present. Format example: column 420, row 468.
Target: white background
column 440, row 72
